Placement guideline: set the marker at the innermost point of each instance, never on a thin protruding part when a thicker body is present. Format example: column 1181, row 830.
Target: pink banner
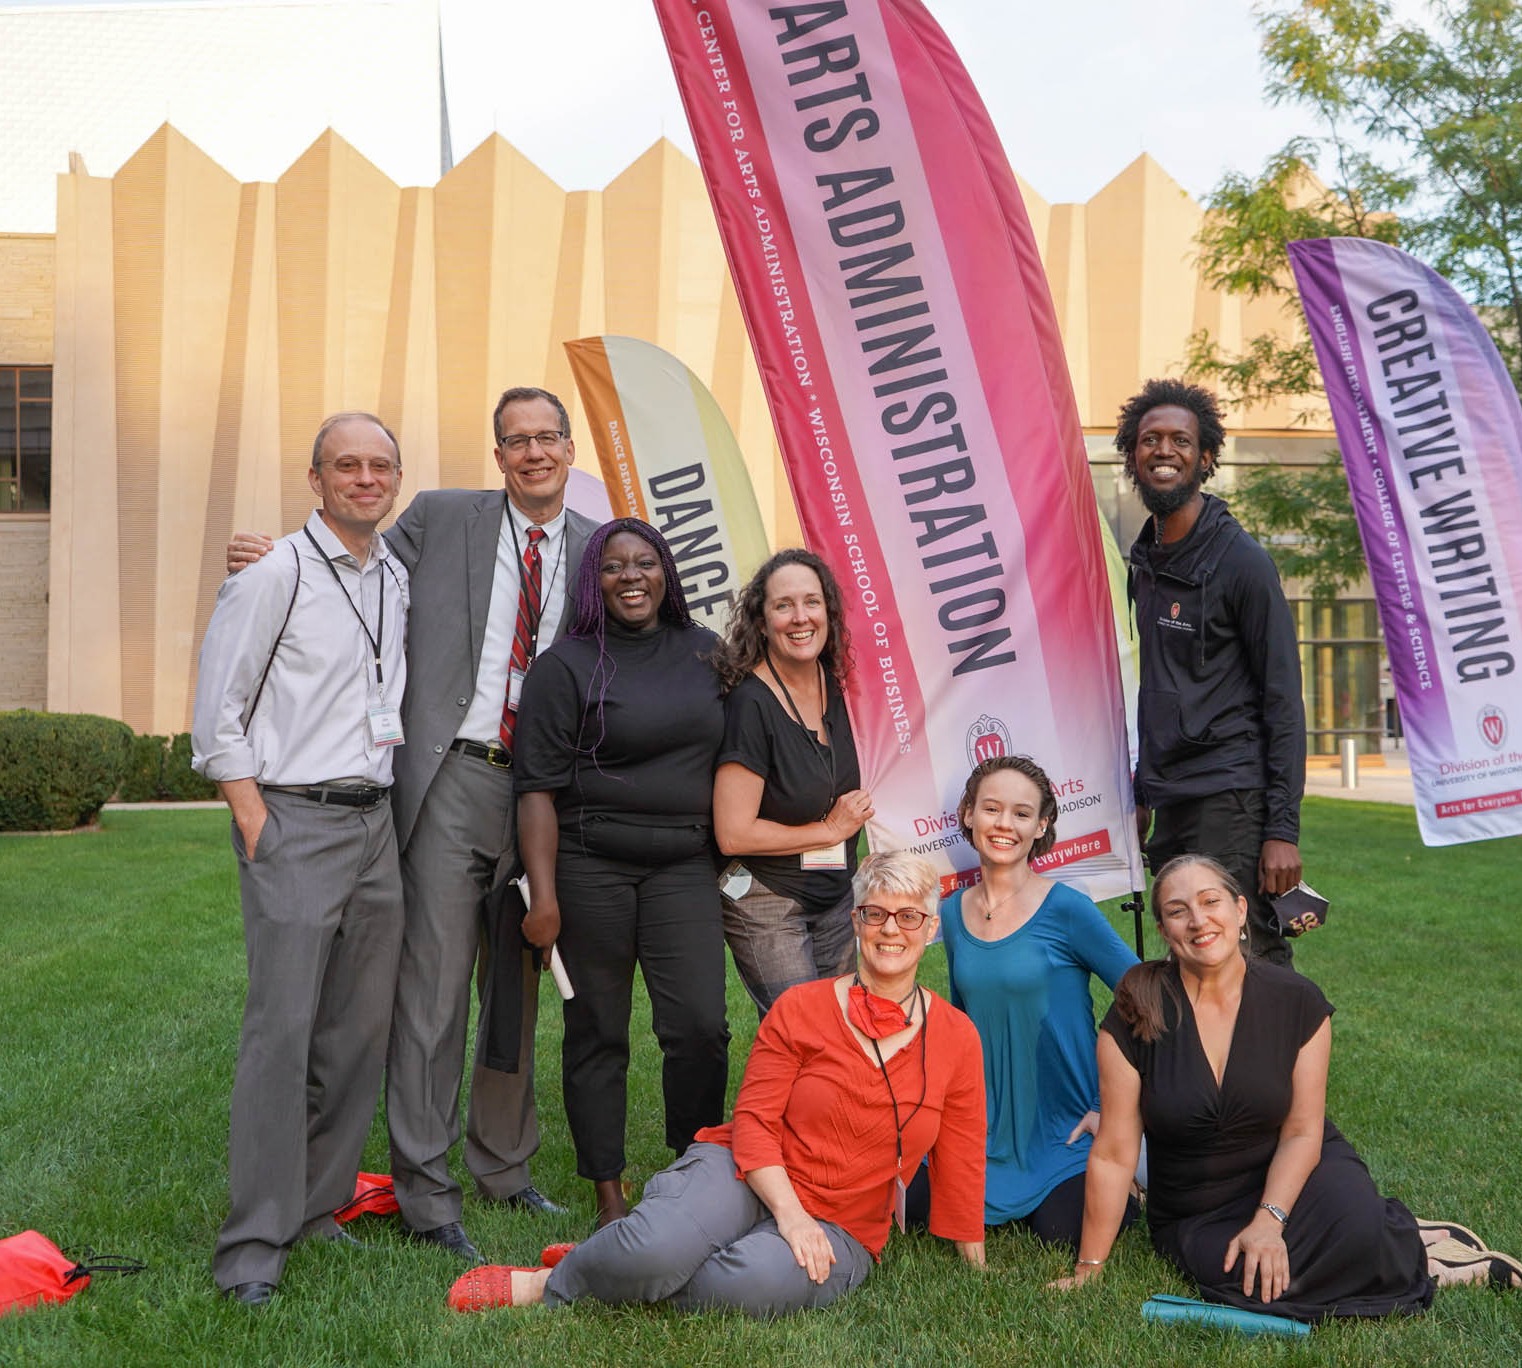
column 911, row 357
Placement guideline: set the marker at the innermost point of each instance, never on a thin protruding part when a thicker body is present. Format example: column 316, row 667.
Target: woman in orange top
column 851, row 1082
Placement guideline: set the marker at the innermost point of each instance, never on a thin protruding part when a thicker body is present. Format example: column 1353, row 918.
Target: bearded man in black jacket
column 1221, row 769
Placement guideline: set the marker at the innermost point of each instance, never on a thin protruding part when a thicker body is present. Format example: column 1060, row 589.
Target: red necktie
column 530, row 588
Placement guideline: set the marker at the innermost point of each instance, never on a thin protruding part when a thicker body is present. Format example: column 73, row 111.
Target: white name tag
column 515, row 680
column 900, row 1203
column 385, row 725
column 736, row 883
column 826, row 857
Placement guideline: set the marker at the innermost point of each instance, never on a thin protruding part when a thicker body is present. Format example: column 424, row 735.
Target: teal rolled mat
column 1167, row 1309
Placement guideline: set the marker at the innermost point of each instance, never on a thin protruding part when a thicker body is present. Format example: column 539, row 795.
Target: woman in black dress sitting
column 619, row 727
column 1253, row 1193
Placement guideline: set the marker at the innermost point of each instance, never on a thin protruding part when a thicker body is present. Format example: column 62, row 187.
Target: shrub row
column 57, row 769
column 158, row 771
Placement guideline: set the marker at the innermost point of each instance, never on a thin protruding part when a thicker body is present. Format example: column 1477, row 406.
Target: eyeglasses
column 905, row 918
column 352, row 465
column 519, row 442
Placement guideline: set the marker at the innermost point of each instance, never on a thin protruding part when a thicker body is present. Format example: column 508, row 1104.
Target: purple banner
column 1431, row 436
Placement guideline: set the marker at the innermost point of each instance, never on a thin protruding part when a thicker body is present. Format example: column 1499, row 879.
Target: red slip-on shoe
column 553, row 1254
column 485, row 1287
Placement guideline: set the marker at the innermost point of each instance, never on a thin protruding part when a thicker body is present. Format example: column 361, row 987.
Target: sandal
column 1451, row 1231
column 485, row 1287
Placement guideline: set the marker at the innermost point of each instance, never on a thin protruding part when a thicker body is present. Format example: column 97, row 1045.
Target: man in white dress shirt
column 455, row 808
column 297, row 717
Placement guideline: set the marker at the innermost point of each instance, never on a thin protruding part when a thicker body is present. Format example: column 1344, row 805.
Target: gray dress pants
column 701, row 1239
column 322, row 924
column 464, row 836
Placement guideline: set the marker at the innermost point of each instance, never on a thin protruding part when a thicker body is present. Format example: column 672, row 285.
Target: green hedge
column 159, row 771
column 56, row 769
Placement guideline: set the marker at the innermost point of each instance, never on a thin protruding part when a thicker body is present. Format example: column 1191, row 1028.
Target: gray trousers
column 777, row 942
column 466, row 831
column 322, row 925
column 701, row 1239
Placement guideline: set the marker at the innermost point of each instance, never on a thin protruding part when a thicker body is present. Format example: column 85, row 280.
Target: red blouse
column 815, row 1103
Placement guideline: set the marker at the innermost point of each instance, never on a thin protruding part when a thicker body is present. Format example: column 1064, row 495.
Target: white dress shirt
column 483, row 719
column 311, row 725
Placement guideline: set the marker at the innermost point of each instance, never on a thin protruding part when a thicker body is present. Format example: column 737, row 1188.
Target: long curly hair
column 1171, row 394
column 743, row 646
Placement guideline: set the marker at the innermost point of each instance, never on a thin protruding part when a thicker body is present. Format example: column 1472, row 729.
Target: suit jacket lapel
column 483, row 527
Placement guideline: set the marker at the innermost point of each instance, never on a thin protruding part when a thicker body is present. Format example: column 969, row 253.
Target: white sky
column 1077, row 90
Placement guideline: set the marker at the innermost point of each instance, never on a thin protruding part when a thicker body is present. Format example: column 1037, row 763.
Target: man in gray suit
column 454, row 807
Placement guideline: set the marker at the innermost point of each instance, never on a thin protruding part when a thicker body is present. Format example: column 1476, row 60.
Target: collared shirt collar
column 328, row 540
column 522, row 522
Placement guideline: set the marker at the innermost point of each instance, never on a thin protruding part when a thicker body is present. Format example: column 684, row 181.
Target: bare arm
column 1260, row 1243
column 1112, row 1161
column 804, row 1235
column 741, row 830
column 249, row 812
column 538, row 838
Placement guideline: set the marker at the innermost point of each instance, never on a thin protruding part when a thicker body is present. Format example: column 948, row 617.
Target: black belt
column 335, row 795
column 493, row 755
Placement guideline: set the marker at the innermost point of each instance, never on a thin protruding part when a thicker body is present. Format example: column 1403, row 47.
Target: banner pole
column 1134, row 905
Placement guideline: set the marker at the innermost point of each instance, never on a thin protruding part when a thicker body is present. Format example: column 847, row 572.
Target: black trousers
column 1057, row 1221
column 665, row 918
column 1229, row 828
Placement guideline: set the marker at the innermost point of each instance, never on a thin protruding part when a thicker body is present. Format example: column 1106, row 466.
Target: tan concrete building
column 197, row 328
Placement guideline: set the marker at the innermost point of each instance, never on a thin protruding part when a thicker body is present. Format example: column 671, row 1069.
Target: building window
column 26, row 438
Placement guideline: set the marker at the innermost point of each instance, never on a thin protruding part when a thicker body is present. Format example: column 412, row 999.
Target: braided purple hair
column 588, row 612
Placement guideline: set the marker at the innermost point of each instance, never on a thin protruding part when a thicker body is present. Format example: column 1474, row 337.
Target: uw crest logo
column 1492, row 726
column 1173, row 611
column 986, row 738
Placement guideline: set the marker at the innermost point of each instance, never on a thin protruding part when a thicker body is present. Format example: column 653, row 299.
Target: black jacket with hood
column 1220, row 705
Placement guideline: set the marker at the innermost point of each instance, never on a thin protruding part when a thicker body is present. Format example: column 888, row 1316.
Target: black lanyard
column 898, row 1130
column 374, row 638
column 828, row 755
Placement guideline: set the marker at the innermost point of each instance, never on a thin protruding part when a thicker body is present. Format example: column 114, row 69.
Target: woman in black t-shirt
column 620, row 724
column 787, row 799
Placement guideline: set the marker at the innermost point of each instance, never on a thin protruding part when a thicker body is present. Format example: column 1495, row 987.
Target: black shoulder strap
column 279, row 636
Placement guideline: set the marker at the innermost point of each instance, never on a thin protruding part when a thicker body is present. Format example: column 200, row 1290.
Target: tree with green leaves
column 1419, row 145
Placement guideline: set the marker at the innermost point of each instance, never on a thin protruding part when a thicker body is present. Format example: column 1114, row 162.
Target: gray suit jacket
column 447, row 539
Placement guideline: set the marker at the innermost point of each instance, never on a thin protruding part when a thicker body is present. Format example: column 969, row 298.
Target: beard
column 1163, row 503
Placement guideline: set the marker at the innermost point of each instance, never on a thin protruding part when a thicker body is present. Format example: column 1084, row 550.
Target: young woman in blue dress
column 1021, row 950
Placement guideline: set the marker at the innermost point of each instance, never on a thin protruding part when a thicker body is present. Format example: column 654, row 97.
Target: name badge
column 736, row 882
column 385, row 725
column 515, row 680
column 900, row 1203
column 825, row 857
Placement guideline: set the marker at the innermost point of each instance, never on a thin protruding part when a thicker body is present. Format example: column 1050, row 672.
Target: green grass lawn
column 121, row 984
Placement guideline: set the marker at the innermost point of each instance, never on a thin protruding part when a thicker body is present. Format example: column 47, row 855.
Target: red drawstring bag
column 374, row 1194
column 33, row 1269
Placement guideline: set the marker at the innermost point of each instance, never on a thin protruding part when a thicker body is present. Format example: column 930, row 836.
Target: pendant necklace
column 989, row 909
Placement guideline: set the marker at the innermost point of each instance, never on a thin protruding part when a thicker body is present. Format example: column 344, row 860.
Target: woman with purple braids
column 620, row 725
